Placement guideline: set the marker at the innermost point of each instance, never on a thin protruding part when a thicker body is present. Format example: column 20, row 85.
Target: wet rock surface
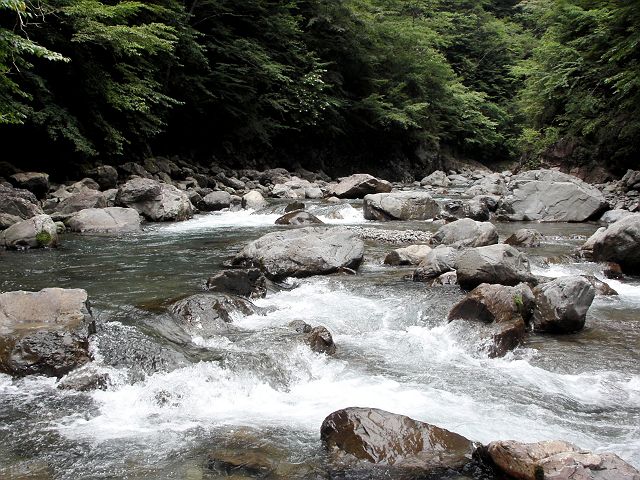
column 562, row 304
column 620, row 243
column 37, row 232
column 247, row 283
column 105, row 220
column 400, row 206
column 501, row 264
column 466, row 233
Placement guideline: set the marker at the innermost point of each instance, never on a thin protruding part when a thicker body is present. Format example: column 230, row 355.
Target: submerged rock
column 501, row 264
column 247, row 283
column 209, row 314
column 562, row 304
column 320, row 340
column 44, row 332
column 359, row 185
column 37, row 232
column 503, row 310
column 105, row 220
column 466, row 233
column 303, row 252
column 557, row 460
column 388, row 439
column 298, row 217
column 400, row 206
column 525, row 237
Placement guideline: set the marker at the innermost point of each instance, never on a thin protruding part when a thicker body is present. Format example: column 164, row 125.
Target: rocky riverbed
column 165, row 321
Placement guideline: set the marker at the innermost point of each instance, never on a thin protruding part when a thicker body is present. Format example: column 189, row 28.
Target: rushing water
column 173, row 398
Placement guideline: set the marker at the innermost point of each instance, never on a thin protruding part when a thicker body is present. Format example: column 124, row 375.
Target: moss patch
column 43, row 238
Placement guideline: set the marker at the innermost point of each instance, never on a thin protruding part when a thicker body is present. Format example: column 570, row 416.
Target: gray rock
column 293, row 206
column 525, row 237
column 78, row 201
column 37, row 232
column 439, row 260
column 303, row 252
column 35, row 182
column 359, row 185
column 411, row 255
column 503, row 311
column 215, row 201
column 477, row 209
column 492, row 184
column 209, row 314
column 298, row 218
column 157, row 202
column 320, row 340
column 400, row 206
column 586, row 250
column 466, row 233
column 619, row 243
column 16, row 205
column 436, row 179
column 105, row 220
column 549, row 196
column 613, row 216
column 562, row 304
column 501, row 264
column 557, row 460
column 384, row 438
column 105, row 175
column 44, row 332
column 253, row 200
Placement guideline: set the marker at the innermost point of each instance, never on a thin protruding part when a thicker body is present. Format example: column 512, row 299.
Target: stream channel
column 172, row 398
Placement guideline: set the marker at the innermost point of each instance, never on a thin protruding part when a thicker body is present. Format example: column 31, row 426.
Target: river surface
column 174, row 398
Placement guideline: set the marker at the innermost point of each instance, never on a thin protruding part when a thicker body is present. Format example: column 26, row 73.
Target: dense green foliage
column 335, row 82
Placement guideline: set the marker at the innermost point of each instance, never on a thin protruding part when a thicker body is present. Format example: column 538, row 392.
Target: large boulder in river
column 549, row 196
column 501, row 264
column 439, row 260
column 525, row 237
column 387, row 439
column 105, row 220
column 156, row 201
column 359, row 185
column 562, row 304
column 503, row 312
column 44, row 332
column 620, row 243
column 208, row 314
column 555, row 459
column 400, row 206
column 436, row 179
column 82, row 200
column 35, row 182
column 411, row 255
column 253, row 200
column 215, row 201
column 299, row 217
column 303, row 252
column 37, row 232
column 16, row 205
column 247, row 283
column 466, row 233
column 105, row 175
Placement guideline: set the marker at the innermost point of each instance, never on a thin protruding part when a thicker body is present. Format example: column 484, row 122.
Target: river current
column 174, row 398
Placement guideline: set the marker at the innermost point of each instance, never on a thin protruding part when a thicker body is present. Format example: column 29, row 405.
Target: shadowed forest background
column 341, row 85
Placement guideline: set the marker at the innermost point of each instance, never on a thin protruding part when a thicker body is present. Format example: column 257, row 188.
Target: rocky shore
column 49, row 332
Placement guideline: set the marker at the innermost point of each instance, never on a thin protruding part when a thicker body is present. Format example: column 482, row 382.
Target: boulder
column 466, row 233
column 78, row 201
column 246, row 283
column 492, row 184
column 631, row 180
column 438, row 261
column 558, row 460
column 16, row 205
column 562, row 304
column 601, row 288
column 44, row 332
column 209, row 314
column 358, row 186
column 105, row 220
column 293, row 206
column 299, row 217
column 477, row 209
column 253, row 200
column 388, row 439
column 320, row 340
column 215, row 201
column 35, row 182
column 549, row 196
column 303, row 252
column 400, row 206
column 436, row 179
column 37, row 232
column 504, row 312
column 525, row 237
column 613, row 216
column 411, row 255
column 586, row 250
column 620, row 243
column 105, row 175
column 501, row 264
column 157, row 202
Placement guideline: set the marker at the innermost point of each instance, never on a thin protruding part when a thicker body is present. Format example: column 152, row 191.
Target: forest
column 333, row 84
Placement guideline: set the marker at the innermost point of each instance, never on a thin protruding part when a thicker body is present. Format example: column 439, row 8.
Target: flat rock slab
column 359, row 185
column 105, row 220
column 303, row 252
column 400, row 206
